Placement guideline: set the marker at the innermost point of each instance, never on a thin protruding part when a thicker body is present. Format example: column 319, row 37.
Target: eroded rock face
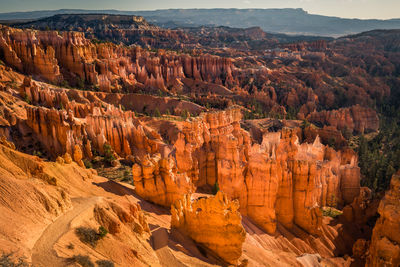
column 60, row 131
column 385, row 248
column 157, row 180
column 356, row 118
column 214, row 222
column 27, row 55
column 70, row 56
column 279, row 180
column 82, row 102
column 362, row 209
column 269, row 179
column 113, row 215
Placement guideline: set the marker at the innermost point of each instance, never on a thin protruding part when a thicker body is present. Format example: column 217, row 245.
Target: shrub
column 305, row 124
column 64, row 84
column 185, row 114
column 126, row 176
column 332, row 142
column 37, row 153
column 84, row 261
column 145, row 109
column 88, row 164
column 157, row 113
column 91, row 236
column 248, row 115
column 215, row 188
column 7, row 261
column 347, row 133
column 102, row 232
column 105, row 263
column 330, row 212
column 80, row 83
column 27, row 100
column 87, row 235
column 108, row 153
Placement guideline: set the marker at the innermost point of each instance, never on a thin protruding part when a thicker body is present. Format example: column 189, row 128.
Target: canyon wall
column 70, row 56
column 157, row 180
column 70, row 59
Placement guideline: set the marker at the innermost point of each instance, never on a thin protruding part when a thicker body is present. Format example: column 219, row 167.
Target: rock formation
column 176, row 116
column 69, row 58
column 385, row 248
column 60, row 131
column 156, row 179
column 213, row 222
column 277, row 180
column 356, row 118
column 112, row 215
column 72, row 57
column 269, row 179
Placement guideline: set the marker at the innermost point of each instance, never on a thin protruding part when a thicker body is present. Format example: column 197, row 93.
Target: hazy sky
column 382, row 9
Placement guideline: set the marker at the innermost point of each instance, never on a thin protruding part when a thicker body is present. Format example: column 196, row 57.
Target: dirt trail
column 43, row 253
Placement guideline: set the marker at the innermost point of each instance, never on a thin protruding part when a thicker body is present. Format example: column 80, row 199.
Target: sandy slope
column 43, row 253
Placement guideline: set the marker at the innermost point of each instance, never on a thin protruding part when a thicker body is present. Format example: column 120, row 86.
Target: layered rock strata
column 279, row 180
column 70, row 56
column 60, row 131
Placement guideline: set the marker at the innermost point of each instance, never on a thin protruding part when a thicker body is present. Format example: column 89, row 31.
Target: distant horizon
column 347, row 9
column 222, row 8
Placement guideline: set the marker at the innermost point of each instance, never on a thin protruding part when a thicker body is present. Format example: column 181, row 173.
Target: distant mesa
column 270, row 20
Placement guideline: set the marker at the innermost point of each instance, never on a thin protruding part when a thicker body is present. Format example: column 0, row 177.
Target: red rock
column 385, row 248
column 356, row 118
column 216, row 216
column 157, row 180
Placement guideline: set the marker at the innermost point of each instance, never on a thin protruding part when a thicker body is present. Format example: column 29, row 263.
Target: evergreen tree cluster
column 380, row 157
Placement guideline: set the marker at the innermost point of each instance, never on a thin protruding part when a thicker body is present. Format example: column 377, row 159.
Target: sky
column 364, row 9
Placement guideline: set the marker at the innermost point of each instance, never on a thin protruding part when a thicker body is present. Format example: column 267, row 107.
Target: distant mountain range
column 288, row 21
column 130, row 29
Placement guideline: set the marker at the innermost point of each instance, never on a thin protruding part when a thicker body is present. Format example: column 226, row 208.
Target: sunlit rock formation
column 156, row 179
column 214, row 222
column 277, row 180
